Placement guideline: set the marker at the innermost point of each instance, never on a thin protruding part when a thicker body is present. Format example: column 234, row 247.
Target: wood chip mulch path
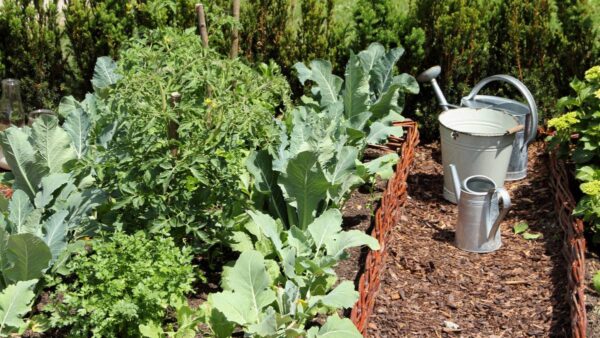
column 592, row 297
column 432, row 289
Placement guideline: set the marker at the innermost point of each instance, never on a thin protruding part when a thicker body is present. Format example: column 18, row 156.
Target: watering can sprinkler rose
column 486, row 135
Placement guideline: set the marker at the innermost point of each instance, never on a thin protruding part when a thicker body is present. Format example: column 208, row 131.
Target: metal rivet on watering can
column 479, row 214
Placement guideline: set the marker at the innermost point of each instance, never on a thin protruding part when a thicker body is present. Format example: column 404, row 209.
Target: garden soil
column 432, row 289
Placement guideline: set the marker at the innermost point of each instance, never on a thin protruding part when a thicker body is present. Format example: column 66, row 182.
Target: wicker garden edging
column 386, row 217
column 574, row 245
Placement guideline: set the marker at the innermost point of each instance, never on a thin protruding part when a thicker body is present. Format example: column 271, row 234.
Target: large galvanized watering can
column 525, row 114
column 479, row 214
column 477, row 142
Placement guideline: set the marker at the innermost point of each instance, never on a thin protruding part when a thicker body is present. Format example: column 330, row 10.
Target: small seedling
column 530, row 236
column 596, row 281
column 522, row 227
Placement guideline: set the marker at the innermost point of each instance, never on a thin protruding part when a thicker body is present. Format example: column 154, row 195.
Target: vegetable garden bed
column 431, row 288
column 387, row 216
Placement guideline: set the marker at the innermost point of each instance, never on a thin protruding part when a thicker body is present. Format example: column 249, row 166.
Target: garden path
column 430, row 286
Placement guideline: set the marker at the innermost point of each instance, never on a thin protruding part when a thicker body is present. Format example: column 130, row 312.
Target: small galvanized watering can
column 479, row 215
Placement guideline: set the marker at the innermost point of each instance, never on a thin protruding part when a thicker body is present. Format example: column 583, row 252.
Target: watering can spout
column 429, row 76
column 455, row 181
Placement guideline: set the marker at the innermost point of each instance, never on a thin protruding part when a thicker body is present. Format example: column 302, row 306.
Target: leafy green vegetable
column 596, row 281
column 187, row 320
column 335, row 327
column 249, row 292
column 253, row 297
column 370, row 87
column 179, row 164
column 123, row 280
column 318, row 164
column 26, row 255
column 15, row 302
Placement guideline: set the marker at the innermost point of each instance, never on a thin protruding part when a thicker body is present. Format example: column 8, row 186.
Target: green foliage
column 186, row 325
column 520, row 228
column 582, row 118
column 317, row 165
column 543, row 43
column 15, row 303
column 284, row 278
column 596, row 281
column 30, row 41
column 53, row 54
column 99, row 28
column 166, row 158
column 53, row 197
column 121, row 282
column 48, row 206
column 285, row 31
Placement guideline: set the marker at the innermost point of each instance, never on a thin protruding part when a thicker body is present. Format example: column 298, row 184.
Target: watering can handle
column 505, row 197
column 531, row 120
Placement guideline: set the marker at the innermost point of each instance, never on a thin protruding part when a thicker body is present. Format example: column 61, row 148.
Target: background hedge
column 545, row 43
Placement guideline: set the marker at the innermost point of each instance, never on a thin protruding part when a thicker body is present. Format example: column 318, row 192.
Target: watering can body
column 479, row 213
column 476, row 141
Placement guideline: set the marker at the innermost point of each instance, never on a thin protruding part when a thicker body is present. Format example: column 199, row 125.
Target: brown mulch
column 430, row 285
column 592, row 297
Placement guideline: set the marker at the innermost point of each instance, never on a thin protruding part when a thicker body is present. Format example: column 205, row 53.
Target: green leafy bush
column 30, row 45
column 583, row 119
column 99, row 28
column 543, row 43
column 53, row 54
column 51, row 205
column 181, row 165
column 286, row 31
column 118, row 283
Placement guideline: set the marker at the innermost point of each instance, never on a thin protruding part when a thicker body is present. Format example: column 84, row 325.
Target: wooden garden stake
column 203, row 34
column 202, row 24
column 235, row 34
column 173, row 125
